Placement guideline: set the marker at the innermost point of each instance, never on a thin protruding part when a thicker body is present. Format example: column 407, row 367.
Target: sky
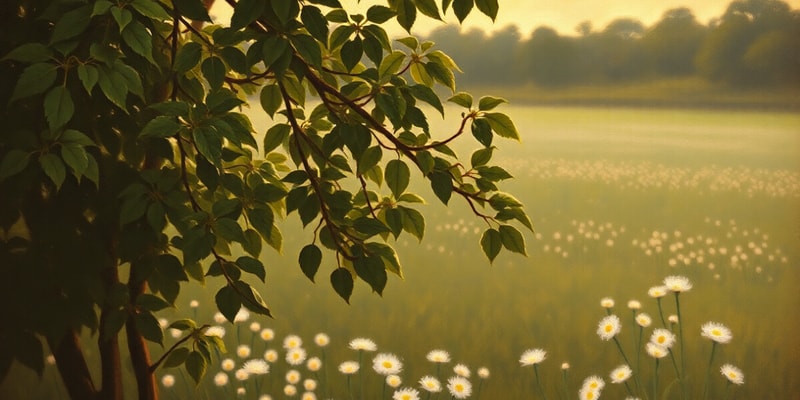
column 562, row 15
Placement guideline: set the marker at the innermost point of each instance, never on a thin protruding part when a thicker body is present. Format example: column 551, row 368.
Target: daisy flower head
column 594, row 383
column 267, row 334
column 309, row 396
column 430, row 384
column 634, row 304
column 314, row 364
column 643, row 320
column 677, row 284
column 255, row 327
column 292, row 341
column 621, row 374
column 656, row 350
column 483, row 372
column 607, row 302
column 241, row 374
column 462, row 370
column 265, row 397
column 663, row 337
column 609, row 327
column 387, row 364
column 363, row 344
column 168, row 381
column 588, row 394
column 673, row 319
column 459, row 387
column 309, row 385
column 733, row 374
column 406, row 394
column 242, row 316
column 228, row 364
column 175, row 333
column 296, row 356
column 293, row 376
column 657, row 292
column 438, row 356
column 243, row 351
column 219, row 318
column 216, row 330
column 163, row 323
column 348, row 367
column 322, row 339
column 221, row 379
column 290, row 390
column 716, row 332
column 393, row 381
column 532, row 357
column 271, row 355
column 565, row 366
column 194, row 304
column 256, row 367
column 240, row 392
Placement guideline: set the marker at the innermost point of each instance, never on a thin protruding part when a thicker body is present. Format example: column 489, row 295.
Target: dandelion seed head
column 532, row 357
column 459, row 387
column 609, row 327
column 716, row 332
column 438, row 356
column 733, row 374
column 256, row 367
column 348, row 367
column 216, row 330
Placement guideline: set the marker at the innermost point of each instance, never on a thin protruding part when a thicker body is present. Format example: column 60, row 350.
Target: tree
column 124, row 145
column 672, row 43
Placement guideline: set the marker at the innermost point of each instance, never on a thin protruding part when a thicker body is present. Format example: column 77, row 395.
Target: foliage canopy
column 125, row 144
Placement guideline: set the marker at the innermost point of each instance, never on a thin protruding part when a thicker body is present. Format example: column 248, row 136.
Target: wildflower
column 296, row 356
column 240, row 392
column 733, row 374
column 532, row 356
column 673, row 319
column 406, row 394
column 289, row 390
column 292, row 341
column 228, row 364
column 242, row 315
column 634, row 305
column 194, row 304
column 609, row 327
column 348, row 367
column 607, row 302
column 219, row 318
column 163, row 322
column 621, row 374
column 314, row 364
column 271, row 355
column 292, row 376
column 483, row 372
column 588, row 394
column 322, row 339
column 256, row 367
column 255, row 327
column 677, row 284
column 175, row 333
column 241, row 374
column 565, row 366
column 663, row 337
column 643, row 320
column 430, row 384
column 267, row 334
column 217, row 331
column 656, row 350
column 462, row 370
column 394, row 381
column 265, row 397
column 309, row 385
column 459, row 387
column 168, row 381
column 657, row 291
column 438, row 356
column 363, row 344
column 243, row 351
column 221, row 379
column 594, row 382
column 309, row 396
column 386, row 364
column 716, row 332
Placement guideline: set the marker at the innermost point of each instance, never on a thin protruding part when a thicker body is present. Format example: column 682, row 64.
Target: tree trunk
column 111, row 367
column 140, row 355
column 72, row 366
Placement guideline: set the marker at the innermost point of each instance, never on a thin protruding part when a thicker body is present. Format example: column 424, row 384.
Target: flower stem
column 566, row 385
column 538, row 381
column 655, row 382
column 708, row 372
column 661, row 312
column 682, row 374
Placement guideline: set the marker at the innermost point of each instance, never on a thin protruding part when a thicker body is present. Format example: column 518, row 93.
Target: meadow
column 620, row 199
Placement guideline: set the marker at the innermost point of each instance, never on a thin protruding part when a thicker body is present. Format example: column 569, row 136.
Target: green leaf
column 380, row 14
column 308, row 48
column 372, row 271
column 54, row 168
column 482, row 131
column 76, row 158
column 442, row 185
column 282, row 10
column 151, row 302
column 88, row 75
column 428, row 7
column 34, row 80
column 29, row 53
column 491, row 243
column 441, row 74
column 295, row 89
column 515, row 213
column 14, row 162
column 161, row 127
column 487, row 103
column 481, row 156
column 397, row 175
column 252, row 299
column 512, row 239
column 342, row 283
column 147, row 325
column 427, row 95
column 188, row 56
column 413, row 222
column 114, row 86
column 209, row 143
column 252, row 266
column 502, row 125
column 462, row 8
column 229, row 230
column 315, row 23
column 271, row 101
column 269, row 193
column 369, row 226
column 488, row 7
column 462, row 98
column 247, row 11
column 196, row 366
column 139, row 39
column 262, row 220
column 71, row 24
column 276, row 135
column 500, row 200
column 406, row 13
column 71, row 136
column 176, row 357
column 310, row 259
column 411, row 198
column 214, row 71
column 252, row 243
column 151, row 9
column 228, row 302
column 122, row 16
column 101, row 7
column 351, row 53
column 338, row 16
column 390, row 65
column 194, row 9
column 369, row 159
column 93, row 171
column 388, row 255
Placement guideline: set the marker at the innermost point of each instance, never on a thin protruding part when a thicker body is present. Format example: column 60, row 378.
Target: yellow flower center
column 661, row 339
column 459, row 387
column 593, row 385
column 608, row 328
column 590, row 395
column 387, row 364
column 716, row 332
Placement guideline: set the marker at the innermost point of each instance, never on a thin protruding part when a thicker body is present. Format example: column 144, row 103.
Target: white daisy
column 438, row 356
column 607, row 302
column 363, row 344
column 168, row 381
column 322, row 339
column 655, row 350
column 309, row 385
column 267, row 334
column 406, row 394
column 594, row 382
column 643, row 320
column 228, row 364
column 677, row 283
column 532, row 356
column 271, row 355
column 314, row 364
column 221, row 379
column 716, row 332
column 663, row 337
column 621, row 374
column 348, row 367
column 292, row 341
column 296, row 356
column 243, row 351
column 459, row 387
column 462, row 370
column 256, row 367
column 293, row 376
column 430, row 384
column 387, row 364
column 483, row 372
column 657, row 291
column 733, row 374
column 217, row 331
column 609, row 327
column 393, row 381
column 290, row 390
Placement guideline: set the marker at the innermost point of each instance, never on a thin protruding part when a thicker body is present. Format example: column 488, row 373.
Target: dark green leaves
column 161, row 127
column 140, row 40
column 34, row 80
column 228, row 302
column 380, row 14
column 58, row 107
column 488, row 7
column 315, row 23
column 214, row 71
column 442, row 185
column 406, row 13
column 351, row 53
column 246, row 11
column 462, row 99
column 194, row 9
column 397, row 176
column 342, row 283
column 188, row 56
column 502, row 125
column 30, row 53
column 512, row 239
column 487, row 103
column 462, row 8
column 310, row 259
column 13, row 162
column 491, row 243
column 54, row 168
column 196, row 366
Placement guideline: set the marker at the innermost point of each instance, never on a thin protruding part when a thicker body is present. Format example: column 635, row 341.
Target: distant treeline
column 755, row 43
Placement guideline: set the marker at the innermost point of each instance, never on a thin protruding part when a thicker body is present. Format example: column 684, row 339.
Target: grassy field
column 620, row 198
